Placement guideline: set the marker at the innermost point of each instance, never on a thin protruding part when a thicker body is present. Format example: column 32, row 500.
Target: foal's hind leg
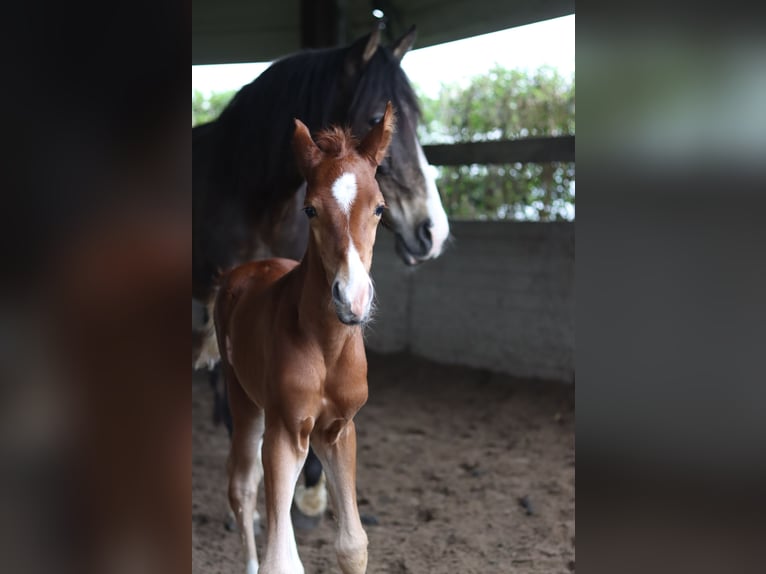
column 337, row 451
column 245, row 469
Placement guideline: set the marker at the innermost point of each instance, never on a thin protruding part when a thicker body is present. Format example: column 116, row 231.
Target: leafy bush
column 504, row 104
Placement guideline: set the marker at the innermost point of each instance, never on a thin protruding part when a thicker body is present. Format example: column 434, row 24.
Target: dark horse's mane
column 253, row 139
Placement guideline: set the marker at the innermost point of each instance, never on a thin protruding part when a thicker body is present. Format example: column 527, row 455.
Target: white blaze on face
column 358, row 287
column 439, row 222
column 354, row 281
column 344, row 191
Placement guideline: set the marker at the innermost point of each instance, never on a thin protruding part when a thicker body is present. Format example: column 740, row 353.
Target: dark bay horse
column 294, row 355
column 248, row 192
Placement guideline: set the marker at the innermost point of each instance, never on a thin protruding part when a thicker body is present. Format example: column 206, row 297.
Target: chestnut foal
column 295, row 360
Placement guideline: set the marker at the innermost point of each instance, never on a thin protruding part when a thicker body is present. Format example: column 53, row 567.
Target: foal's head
column 344, row 206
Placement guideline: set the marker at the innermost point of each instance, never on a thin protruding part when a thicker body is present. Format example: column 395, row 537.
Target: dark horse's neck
column 244, row 173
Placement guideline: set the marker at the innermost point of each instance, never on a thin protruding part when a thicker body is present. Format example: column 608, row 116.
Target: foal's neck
column 316, row 311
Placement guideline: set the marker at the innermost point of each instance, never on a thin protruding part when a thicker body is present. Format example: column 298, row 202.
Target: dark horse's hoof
column 304, row 521
column 309, row 504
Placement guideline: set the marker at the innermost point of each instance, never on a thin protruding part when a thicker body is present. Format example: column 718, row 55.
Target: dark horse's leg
column 311, row 495
column 221, row 412
column 312, row 470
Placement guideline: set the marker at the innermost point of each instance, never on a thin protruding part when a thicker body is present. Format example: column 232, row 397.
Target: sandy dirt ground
column 460, row 471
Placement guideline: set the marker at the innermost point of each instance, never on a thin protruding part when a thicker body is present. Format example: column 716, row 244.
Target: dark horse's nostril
column 424, row 236
column 336, row 292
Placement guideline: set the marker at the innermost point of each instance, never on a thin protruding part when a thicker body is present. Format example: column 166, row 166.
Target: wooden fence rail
column 528, row 150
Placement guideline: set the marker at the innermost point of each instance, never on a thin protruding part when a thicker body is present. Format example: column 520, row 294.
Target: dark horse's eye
column 385, row 167
column 379, row 210
column 375, row 120
column 310, row 211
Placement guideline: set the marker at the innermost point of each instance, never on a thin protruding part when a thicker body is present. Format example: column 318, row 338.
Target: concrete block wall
column 501, row 297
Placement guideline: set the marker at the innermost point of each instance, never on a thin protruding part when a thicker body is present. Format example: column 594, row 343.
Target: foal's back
column 256, row 281
column 254, row 278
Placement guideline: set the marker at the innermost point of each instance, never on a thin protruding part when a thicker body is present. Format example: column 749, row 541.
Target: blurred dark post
column 323, row 23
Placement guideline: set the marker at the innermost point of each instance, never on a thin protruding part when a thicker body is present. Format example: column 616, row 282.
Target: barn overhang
column 235, row 31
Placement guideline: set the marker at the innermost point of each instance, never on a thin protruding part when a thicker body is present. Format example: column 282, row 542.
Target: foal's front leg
column 336, row 449
column 284, row 451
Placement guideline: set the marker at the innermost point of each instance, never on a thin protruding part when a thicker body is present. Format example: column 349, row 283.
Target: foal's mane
column 336, row 141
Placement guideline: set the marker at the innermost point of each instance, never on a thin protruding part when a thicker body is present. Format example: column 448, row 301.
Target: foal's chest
column 342, row 396
column 344, row 390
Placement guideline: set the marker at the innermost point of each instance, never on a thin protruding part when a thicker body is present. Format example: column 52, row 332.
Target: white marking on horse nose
column 354, row 282
column 344, row 191
column 439, row 222
column 356, row 290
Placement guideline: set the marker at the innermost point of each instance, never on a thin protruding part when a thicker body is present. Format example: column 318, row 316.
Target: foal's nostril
column 336, row 292
column 424, row 235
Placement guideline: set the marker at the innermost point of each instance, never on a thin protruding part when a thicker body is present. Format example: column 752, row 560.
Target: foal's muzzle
column 352, row 303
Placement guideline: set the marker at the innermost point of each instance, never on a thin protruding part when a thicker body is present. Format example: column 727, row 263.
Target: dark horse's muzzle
column 415, row 249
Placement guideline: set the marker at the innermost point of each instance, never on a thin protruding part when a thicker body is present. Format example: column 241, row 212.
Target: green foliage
column 504, row 104
column 207, row 109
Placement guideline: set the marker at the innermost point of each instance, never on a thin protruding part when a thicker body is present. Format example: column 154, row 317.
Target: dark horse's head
column 373, row 76
column 242, row 165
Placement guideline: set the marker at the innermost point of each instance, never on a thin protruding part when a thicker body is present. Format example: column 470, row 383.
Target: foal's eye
column 375, row 120
column 379, row 210
column 310, row 211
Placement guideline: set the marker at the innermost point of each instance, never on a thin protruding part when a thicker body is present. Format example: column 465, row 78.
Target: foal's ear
column 307, row 153
column 376, row 142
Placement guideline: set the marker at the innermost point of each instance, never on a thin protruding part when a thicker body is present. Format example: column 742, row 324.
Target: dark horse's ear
column 376, row 142
column 307, row 153
column 362, row 51
column 404, row 44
